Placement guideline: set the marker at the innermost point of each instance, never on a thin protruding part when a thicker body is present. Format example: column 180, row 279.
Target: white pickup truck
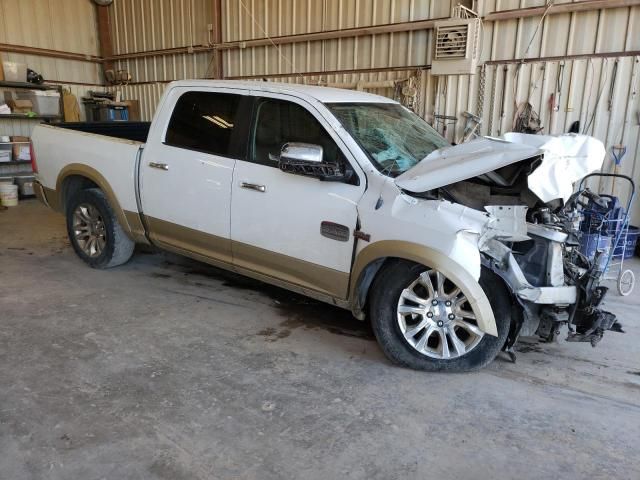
column 350, row 198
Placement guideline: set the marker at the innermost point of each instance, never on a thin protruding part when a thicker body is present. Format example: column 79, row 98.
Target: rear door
column 187, row 169
column 294, row 228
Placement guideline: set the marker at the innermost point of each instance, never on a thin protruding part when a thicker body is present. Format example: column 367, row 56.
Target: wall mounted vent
column 456, row 46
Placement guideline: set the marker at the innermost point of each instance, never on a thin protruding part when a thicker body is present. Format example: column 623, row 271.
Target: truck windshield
column 394, row 138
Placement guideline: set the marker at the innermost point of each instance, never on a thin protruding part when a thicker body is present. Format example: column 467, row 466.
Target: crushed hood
column 565, row 160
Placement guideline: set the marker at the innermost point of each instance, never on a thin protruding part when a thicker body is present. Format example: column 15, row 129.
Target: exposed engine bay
column 552, row 282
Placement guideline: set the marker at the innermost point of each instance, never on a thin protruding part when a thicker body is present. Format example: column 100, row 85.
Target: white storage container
column 6, row 152
column 25, row 185
column 45, row 102
column 8, row 195
column 14, row 71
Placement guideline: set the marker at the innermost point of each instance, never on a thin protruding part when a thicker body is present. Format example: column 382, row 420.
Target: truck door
column 291, row 227
column 187, row 169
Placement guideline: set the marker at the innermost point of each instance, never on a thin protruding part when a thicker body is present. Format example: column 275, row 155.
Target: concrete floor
column 166, row 368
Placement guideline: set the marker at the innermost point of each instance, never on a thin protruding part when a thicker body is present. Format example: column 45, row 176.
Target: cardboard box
column 134, row 109
column 21, row 151
column 20, row 106
column 16, row 106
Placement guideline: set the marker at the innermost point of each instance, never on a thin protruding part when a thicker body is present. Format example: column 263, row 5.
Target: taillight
column 32, row 153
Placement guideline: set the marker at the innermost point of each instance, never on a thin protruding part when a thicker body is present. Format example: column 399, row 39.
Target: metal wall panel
column 248, row 19
column 168, row 67
column 140, row 25
column 59, row 70
column 143, row 25
column 65, row 25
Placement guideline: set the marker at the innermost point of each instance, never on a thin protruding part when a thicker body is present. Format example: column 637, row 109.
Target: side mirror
column 301, row 153
column 307, row 159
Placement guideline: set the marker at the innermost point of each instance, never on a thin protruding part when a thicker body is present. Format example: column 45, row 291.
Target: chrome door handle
column 161, row 166
column 253, row 186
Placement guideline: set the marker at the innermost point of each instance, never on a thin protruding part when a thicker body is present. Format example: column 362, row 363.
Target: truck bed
column 104, row 158
column 135, row 131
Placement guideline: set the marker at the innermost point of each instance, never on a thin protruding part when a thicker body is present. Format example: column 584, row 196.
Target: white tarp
column 567, row 159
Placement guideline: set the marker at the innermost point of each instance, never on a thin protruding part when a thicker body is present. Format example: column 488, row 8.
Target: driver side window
column 279, row 122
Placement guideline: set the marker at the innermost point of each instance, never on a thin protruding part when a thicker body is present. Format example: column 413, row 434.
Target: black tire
column 385, row 293
column 118, row 246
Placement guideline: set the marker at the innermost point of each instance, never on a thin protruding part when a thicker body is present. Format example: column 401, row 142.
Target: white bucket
column 8, row 194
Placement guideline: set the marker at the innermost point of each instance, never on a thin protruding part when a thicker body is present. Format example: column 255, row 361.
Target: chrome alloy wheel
column 89, row 230
column 436, row 318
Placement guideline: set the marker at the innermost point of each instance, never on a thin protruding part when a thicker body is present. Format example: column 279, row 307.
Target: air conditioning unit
column 456, row 46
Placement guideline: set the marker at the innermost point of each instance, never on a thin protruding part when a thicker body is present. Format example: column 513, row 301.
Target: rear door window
column 206, row 122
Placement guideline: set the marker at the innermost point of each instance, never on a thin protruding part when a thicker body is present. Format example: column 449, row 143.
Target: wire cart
column 604, row 234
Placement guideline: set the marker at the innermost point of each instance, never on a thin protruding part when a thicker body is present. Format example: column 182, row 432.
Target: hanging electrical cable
column 598, row 97
column 516, row 74
column 277, row 47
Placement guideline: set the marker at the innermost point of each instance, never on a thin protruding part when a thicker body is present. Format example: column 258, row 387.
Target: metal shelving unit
column 33, row 117
column 33, row 86
column 17, row 168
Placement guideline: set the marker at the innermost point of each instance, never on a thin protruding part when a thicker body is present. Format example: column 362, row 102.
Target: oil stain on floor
column 299, row 311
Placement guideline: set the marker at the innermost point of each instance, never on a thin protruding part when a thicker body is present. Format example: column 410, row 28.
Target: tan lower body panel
column 167, row 234
column 292, row 270
column 307, row 278
column 137, row 230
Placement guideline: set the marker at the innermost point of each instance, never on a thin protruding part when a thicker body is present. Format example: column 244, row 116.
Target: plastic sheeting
column 566, row 159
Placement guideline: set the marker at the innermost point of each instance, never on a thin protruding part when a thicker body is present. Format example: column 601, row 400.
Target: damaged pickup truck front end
column 523, row 185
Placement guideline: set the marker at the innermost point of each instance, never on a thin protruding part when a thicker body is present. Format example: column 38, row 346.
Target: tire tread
column 121, row 248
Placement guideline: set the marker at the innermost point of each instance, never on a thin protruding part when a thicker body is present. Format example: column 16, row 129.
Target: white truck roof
column 322, row 94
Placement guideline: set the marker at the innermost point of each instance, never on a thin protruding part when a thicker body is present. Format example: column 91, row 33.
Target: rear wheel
column 94, row 231
column 423, row 320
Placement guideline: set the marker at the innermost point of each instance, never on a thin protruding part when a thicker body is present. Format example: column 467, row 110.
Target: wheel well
column 360, row 301
column 368, row 275
column 73, row 184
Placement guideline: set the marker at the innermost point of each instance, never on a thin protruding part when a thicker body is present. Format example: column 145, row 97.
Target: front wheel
column 94, row 231
column 423, row 320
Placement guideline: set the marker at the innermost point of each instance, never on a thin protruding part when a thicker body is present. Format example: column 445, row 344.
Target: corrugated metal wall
column 583, row 89
column 64, row 25
column 143, row 25
column 248, row 19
